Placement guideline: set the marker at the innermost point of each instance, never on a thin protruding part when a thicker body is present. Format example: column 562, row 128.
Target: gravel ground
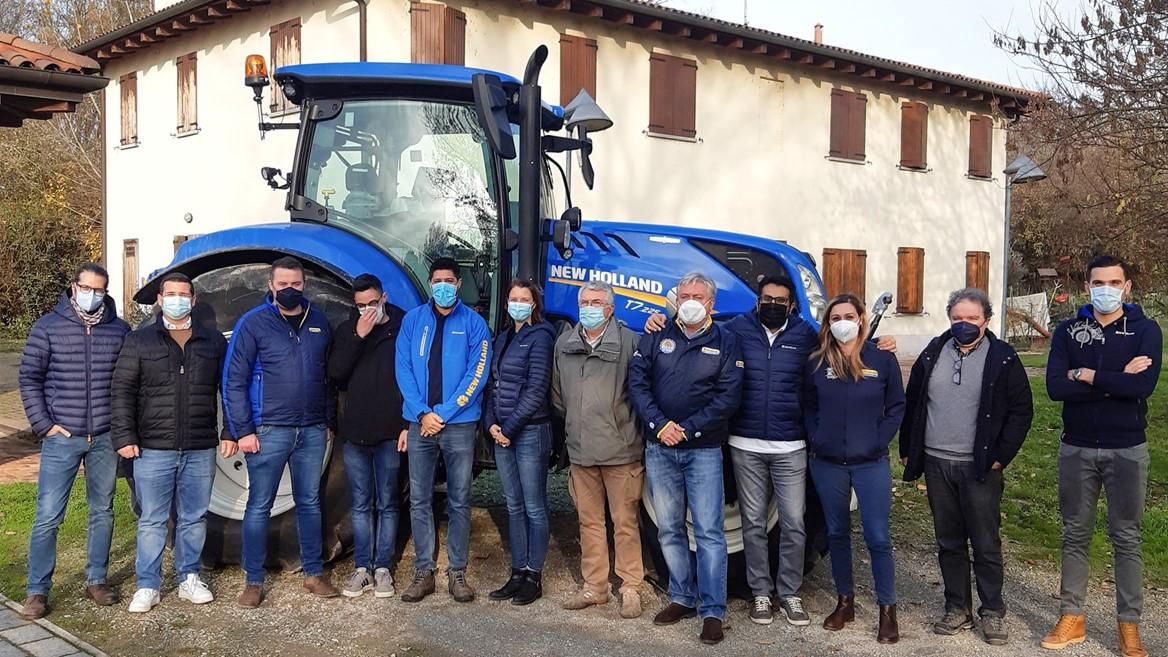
column 294, row 624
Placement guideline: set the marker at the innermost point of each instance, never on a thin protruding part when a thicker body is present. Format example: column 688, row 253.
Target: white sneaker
column 194, row 590
column 144, row 600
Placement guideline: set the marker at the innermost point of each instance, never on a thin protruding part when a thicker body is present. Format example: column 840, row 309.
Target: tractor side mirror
column 491, row 107
column 574, row 217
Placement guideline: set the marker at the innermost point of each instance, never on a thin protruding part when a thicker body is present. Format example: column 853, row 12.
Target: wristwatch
column 1076, row 373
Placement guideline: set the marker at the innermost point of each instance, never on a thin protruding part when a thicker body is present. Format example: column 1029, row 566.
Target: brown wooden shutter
column 128, row 84
column 285, row 41
column 980, row 146
column 577, row 67
column 839, row 123
column 685, row 95
column 914, row 135
column 844, row 272
column 977, row 270
column 129, row 273
column 187, row 93
column 437, row 34
column 857, row 122
column 910, row 280
column 660, row 96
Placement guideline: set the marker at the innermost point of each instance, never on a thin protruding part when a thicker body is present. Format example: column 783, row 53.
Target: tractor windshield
column 417, row 179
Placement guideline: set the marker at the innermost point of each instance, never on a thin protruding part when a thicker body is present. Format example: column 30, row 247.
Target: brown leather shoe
column 1069, row 629
column 420, row 587
column 711, row 632
column 845, row 612
column 630, row 604
column 320, row 587
column 674, row 613
column 889, row 632
column 1129, row 640
column 585, row 598
column 101, row 594
column 36, row 606
column 457, row 586
column 252, row 596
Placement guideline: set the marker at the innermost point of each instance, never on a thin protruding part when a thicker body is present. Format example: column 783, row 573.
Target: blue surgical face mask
column 89, row 301
column 519, row 310
column 445, row 294
column 176, row 307
column 1106, row 299
column 591, row 318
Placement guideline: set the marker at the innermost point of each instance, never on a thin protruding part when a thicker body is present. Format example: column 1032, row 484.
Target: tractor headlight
column 814, row 292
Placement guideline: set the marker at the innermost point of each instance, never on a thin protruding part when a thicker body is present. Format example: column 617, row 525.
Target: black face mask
column 965, row 333
column 772, row 315
column 290, row 298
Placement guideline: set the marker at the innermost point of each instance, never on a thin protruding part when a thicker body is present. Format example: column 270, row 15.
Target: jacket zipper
column 766, row 418
column 88, row 385
column 182, row 393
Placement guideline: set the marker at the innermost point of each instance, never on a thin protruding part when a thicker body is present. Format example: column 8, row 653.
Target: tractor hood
column 644, row 261
column 332, row 253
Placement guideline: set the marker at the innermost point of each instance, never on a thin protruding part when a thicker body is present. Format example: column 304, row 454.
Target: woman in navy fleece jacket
column 854, row 402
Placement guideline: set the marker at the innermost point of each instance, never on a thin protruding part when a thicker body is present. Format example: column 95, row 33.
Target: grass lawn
column 17, row 509
column 1031, row 521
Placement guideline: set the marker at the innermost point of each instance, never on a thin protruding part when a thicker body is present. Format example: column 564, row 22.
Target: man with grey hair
column 604, row 447
column 968, row 410
column 685, row 382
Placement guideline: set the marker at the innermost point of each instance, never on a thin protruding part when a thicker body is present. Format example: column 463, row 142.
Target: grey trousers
column 1123, row 474
column 786, row 475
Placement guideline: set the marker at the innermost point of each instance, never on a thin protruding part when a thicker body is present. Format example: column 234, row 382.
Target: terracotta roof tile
column 18, row 52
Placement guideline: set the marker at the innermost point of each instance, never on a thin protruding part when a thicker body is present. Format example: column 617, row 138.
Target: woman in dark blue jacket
column 854, row 402
column 517, row 416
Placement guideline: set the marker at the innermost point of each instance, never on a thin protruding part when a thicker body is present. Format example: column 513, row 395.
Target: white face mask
column 845, row 330
column 378, row 312
column 691, row 312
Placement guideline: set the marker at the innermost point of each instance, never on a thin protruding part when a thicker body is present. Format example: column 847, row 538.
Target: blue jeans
column 372, row 473
column 302, row 450
column 60, row 459
column 163, row 477
column 455, row 444
column 523, row 470
column 694, row 476
column 873, row 484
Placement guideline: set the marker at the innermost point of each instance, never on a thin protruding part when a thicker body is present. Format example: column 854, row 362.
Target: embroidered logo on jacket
column 464, row 398
column 667, row 346
column 1085, row 332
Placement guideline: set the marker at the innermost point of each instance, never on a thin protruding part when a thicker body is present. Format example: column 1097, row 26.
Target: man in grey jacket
column 604, row 446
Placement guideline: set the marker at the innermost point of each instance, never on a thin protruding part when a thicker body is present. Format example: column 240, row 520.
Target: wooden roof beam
column 926, row 85
column 736, row 44
column 163, row 33
column 887, row 77
column 131, row 44
column 215, row 13
column 760, row 49
column 782, row 53
column 908, row 82
column 656, row 24
column 236, row 5
column 103, row 53
column 869, row 72
column 846, row 68
column 146, row 38
column 181, row 26
column 827, row 63
column 594, row 12
column 977, row 95
column 196, row 19
column 805, row 58
column 711, row 37
column 677, row 29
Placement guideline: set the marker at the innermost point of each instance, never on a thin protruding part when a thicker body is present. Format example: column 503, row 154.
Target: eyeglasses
column 767, row 299
column 86, row 288
column 595, row 303
column 362, row 307
column 957, row 368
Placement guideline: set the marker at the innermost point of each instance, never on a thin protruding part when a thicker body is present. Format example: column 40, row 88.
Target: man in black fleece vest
column 1103, row 366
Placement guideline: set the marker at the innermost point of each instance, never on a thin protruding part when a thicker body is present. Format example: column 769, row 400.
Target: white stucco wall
column 758, row 166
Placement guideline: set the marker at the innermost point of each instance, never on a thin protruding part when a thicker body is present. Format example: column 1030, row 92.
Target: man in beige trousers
column 604, row 447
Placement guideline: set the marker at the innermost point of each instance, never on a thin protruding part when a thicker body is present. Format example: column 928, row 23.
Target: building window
column 128, row 84
column 188, row 121
column 437, row 34
column 129, row 274
column 981, row 133
column 977, row 270
column 843, row 272
column 914, row 135
column 848, row 115
column 910, row 280
column 179, row 240
column 673, row 96
column 285, row 41
column 577, row 67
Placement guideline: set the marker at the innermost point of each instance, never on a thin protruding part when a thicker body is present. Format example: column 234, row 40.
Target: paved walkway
column 19, row 450
column 21, row 638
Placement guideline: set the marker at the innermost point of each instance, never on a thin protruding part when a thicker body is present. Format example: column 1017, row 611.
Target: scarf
column 88, row 319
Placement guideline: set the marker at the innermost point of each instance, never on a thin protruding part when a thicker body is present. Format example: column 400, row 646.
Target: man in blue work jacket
column 443, row 351
column 276, row 402
column 685, row 383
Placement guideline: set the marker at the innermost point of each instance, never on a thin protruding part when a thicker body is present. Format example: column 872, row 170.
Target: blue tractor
column 398, row 164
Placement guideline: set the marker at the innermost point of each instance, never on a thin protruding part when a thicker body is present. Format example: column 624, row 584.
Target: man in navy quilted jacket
column 65, row 382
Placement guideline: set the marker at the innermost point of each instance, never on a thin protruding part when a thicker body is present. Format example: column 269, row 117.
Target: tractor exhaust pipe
column 530, row 149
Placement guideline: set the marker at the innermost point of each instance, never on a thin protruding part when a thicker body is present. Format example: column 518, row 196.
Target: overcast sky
column 950, row 35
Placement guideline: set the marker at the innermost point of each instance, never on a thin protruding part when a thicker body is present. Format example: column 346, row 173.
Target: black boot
column 509, row 589
column 531, row 589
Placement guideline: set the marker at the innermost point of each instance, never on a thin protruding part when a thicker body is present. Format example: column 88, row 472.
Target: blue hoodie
column 466, row 357
column 1112, row 413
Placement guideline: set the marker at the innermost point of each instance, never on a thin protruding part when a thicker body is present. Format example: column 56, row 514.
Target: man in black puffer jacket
column 165, row 417
column 65, row 374
column 362, row 363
